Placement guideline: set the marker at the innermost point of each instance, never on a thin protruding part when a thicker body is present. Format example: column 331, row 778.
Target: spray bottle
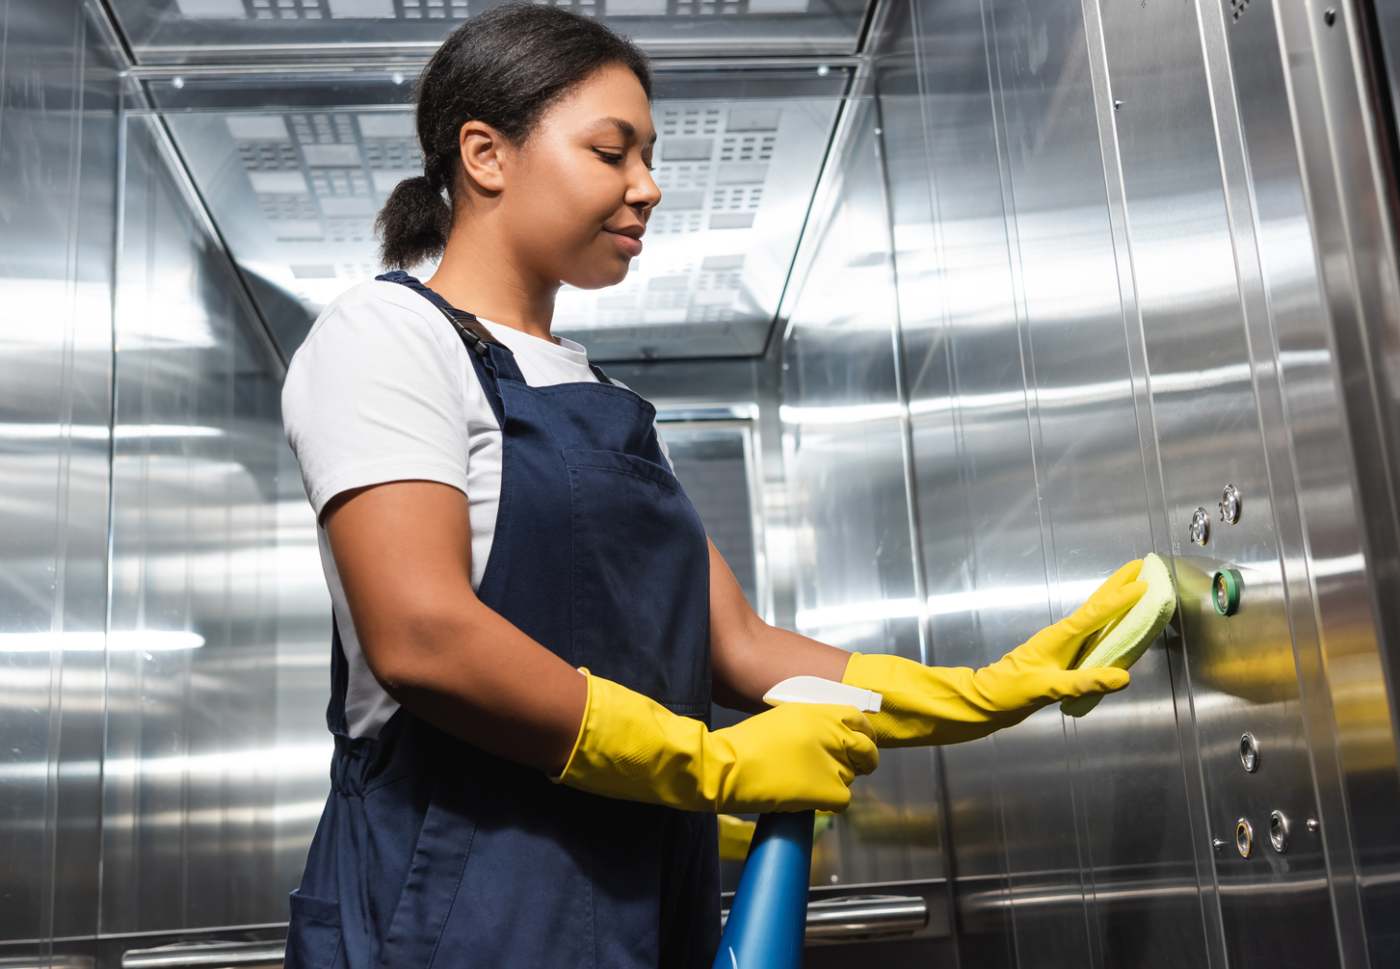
column 768, row 918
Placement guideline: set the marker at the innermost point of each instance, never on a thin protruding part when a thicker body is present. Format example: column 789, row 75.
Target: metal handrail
column 865, row 916
column 191, row 955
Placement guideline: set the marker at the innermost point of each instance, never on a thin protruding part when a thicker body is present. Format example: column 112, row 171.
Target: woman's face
column 581, row 175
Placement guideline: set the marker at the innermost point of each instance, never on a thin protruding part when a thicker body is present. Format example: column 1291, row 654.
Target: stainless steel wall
column 845, row 444
column 216, row 751
column 1118, row 264
column 58, row 138
column 162, row 614
column 1073, row 267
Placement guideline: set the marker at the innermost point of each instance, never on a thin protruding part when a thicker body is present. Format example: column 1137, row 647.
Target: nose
column 647, row 194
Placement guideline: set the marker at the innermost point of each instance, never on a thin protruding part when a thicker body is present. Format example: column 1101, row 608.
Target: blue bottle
column 768, row 918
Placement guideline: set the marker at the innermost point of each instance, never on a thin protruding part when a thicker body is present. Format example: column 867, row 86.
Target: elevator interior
column 951, row 306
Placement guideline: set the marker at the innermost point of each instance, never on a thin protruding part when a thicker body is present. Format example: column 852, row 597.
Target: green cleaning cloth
column 1121, row 643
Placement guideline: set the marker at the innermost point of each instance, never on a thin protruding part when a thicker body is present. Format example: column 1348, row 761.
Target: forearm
column 747, row 666
column 473, row 674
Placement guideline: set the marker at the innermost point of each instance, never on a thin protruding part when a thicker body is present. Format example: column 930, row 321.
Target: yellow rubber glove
column 793, row 757
column 736, row 834
column 948, row 705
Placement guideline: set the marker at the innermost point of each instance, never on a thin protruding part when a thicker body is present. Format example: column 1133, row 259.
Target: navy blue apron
column 431, row 852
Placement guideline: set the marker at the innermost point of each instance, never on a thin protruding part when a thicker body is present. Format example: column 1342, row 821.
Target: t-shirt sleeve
column 373, row 395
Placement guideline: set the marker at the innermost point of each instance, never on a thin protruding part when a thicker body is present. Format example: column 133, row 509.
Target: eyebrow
column 626, row 127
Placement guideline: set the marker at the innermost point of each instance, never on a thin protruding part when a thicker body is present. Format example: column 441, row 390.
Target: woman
column 529, row 622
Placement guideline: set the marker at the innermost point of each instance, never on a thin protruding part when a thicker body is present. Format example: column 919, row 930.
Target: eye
column 614, row 159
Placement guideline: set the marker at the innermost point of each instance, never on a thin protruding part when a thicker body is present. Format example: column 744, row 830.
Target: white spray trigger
column 815, row 689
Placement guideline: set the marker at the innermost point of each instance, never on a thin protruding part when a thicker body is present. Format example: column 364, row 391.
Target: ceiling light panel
column 209, row 31
column 295, row 190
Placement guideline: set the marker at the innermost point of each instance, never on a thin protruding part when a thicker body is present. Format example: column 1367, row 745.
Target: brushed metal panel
column 844, row 459
column 951, row 257
column 1155, row 499
column 1297, row 385
column 215, row 766
column 1129, row 799
column 901, row 152
column 56, row 149
column 1274, row 909
column 85, row 505
column 1343, row 400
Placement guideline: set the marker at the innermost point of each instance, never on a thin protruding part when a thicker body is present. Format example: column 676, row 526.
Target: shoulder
column 373, row 317
column 373, row 340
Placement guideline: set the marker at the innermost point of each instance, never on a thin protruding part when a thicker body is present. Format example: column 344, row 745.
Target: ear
column 481, row 147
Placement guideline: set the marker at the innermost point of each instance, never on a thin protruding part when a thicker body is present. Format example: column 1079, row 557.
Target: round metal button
column 1278, row 831
column 1226, row 586
column 1199, row 528
column 1244, row 837
column 1249, row 752
column 1230, row 501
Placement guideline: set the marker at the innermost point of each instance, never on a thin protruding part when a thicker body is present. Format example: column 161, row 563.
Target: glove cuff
column 880, row 672
column 582, row 726
column 857, row 671
column 632, row 747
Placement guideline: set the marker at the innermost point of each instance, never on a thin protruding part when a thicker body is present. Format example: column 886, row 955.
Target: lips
column 626, row 243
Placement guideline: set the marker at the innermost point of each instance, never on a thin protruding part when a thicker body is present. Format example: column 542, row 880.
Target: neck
column 476, row 275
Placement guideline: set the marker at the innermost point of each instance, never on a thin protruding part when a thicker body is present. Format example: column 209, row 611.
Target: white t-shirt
column 383, row 389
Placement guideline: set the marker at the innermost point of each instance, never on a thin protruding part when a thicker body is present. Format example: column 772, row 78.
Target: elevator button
column 1249, row 752
column 1226, row 586
column 1244, row 837
column 1278, row 831
column 1230, row 501
column 1199, row 529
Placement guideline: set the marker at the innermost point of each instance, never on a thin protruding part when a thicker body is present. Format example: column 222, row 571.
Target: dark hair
column 504, row 66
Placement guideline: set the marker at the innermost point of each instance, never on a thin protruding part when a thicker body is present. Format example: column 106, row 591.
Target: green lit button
column 1227, row 585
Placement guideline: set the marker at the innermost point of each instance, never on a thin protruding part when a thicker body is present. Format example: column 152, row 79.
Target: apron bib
column 434, row 854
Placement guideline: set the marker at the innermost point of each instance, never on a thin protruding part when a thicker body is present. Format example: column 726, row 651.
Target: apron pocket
column 434, row 873
column 313, row 932
column 640, row 579
column 621, row 462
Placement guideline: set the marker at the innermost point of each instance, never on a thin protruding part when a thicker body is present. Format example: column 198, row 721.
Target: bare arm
column 747, row 655
column 403, row 551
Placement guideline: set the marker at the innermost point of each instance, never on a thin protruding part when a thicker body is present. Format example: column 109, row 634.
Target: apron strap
column 491, row 358
column 468, row 326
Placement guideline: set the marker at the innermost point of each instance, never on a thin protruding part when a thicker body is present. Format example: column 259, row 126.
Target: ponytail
column 413, row 223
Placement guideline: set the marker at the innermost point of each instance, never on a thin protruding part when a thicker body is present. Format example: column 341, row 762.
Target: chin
column 601, row 280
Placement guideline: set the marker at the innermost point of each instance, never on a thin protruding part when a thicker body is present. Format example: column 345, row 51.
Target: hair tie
column 435, row 175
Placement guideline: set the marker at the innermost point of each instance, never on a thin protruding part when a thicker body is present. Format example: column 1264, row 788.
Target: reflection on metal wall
column 156, row 767
column 57, row 153
column 844, row 444
column 1113, row 303
column 715, row 461
column 1209, row 428
column 215, row 765
column 1030, row 484
column 1073, row 267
